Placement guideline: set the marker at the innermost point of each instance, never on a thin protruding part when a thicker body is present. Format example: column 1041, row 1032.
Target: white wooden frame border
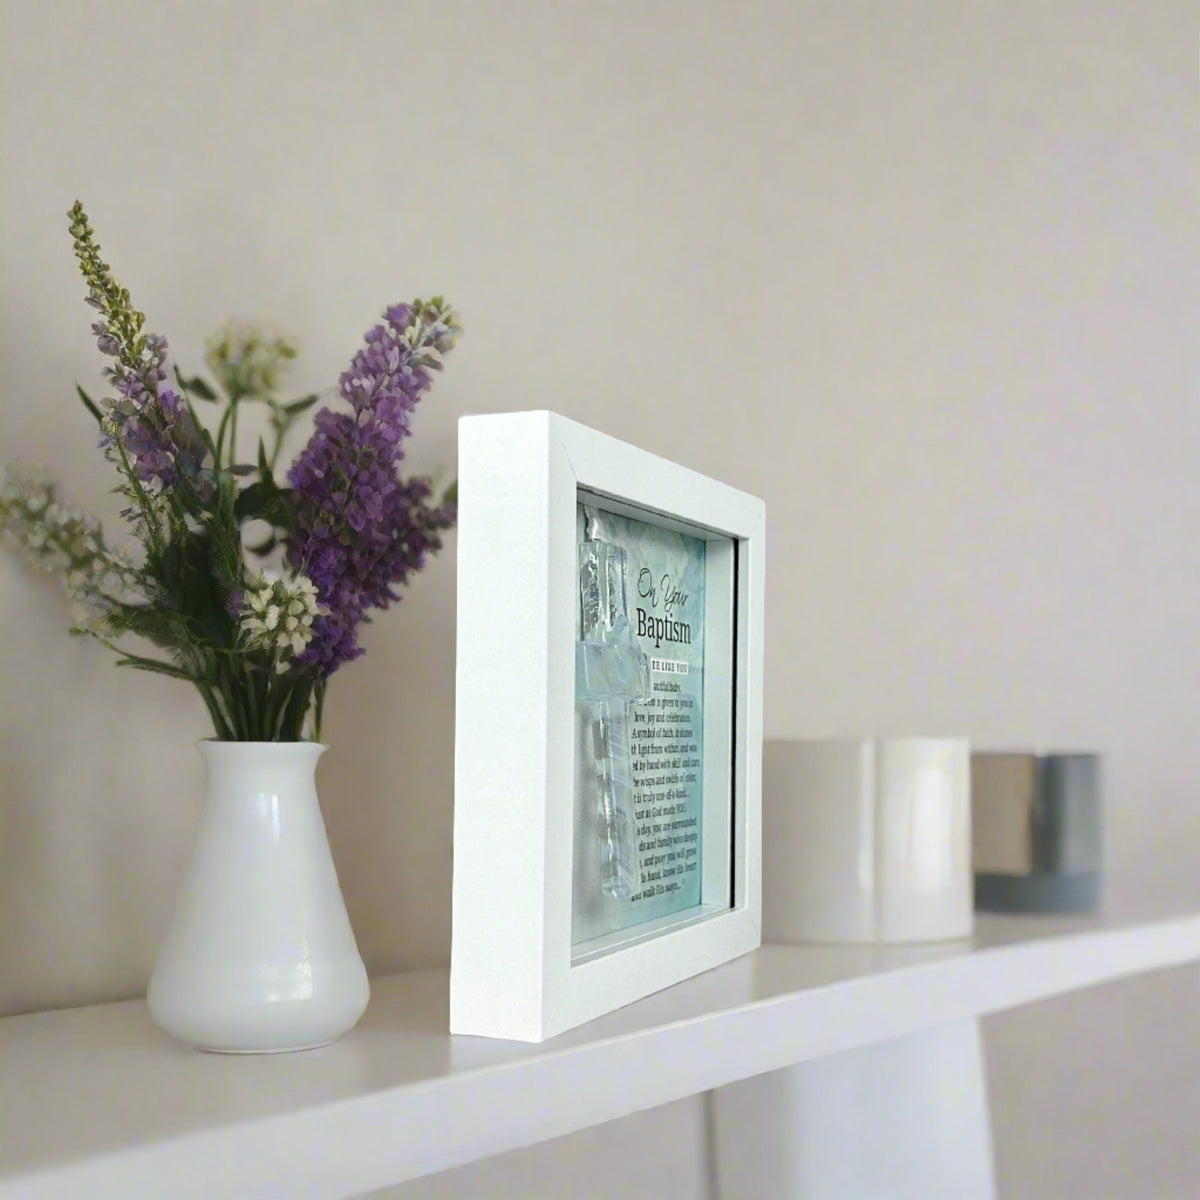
column 511, row 973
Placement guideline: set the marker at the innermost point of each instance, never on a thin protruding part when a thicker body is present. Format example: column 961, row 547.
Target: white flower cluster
column 278, row 616
column 249, row 358
column 61, row 540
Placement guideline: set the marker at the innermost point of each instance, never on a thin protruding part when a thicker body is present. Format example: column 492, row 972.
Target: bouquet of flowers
column 342, row 528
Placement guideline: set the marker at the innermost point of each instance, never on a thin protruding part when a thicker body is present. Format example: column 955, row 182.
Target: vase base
column 266, row 1050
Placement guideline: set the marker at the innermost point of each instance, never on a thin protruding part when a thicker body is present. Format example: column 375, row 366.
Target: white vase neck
column 241, row 772
column 232, row 753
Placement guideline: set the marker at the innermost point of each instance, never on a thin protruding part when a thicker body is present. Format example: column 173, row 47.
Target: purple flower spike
column 360, row 530
column 151, row 421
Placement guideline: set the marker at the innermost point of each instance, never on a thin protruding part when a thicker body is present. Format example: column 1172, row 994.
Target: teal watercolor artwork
column 639, row 729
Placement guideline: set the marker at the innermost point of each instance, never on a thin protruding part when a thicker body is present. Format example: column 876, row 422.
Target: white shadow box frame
column 514, row 972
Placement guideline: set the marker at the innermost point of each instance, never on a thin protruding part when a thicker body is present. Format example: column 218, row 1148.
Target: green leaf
column 450, row 495
column 154, row 666
column 296, row 407
column 221, row 433
column 227, row 492
column 264, row 467
column 196, row 386
column 252, row 500
column 89, row 404
column 279, row 512
column 265, row 501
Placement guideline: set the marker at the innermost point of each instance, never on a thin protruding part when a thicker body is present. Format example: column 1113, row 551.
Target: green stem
column 233, row 416
column 219, row 724
column 234, row 703
column 228, row 713
column 283, row 697
column 248, row 674
column 268, row 708
column 319, row 711
column 292, row 726
column 148, row 513
column 221, row 435
column 187, row 399
column 228, row 422
column 280, row 431
column 262, row 686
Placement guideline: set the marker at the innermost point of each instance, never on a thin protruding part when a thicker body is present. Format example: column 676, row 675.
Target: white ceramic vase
column 260, row 956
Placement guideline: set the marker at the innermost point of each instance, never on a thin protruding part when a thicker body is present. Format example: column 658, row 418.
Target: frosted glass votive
column 1038, row 840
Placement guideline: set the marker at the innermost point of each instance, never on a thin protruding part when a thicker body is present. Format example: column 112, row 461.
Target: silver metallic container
column 1037, row 832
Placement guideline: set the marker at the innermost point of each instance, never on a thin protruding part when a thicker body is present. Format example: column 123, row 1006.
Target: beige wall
column 923, row 275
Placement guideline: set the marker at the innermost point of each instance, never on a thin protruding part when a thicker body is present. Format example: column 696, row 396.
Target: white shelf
column 95, row 1102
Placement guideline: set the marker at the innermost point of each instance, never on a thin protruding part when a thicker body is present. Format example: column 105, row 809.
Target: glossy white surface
column 259, row 956
column 399, row 1097
column 905, row 1119
column 867, row 840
